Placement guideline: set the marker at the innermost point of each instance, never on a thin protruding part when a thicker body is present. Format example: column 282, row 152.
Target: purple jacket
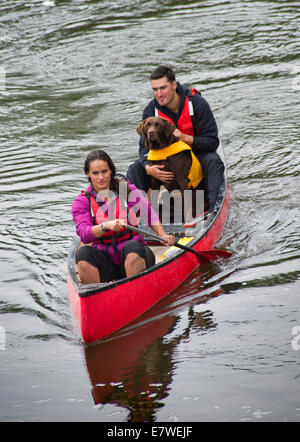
column 84, row 223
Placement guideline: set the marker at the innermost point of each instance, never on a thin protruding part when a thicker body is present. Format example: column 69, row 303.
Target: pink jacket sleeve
column 82, row 219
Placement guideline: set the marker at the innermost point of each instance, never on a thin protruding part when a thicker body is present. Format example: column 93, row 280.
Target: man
column 195, row 125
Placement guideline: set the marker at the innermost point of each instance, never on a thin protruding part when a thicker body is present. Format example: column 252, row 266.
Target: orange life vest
column 186, row 120
column 100, row 216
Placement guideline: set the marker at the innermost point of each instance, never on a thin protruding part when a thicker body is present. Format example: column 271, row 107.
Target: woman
column 100, row 214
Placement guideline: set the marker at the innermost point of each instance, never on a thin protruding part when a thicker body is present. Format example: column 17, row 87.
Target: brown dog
column 158, row 133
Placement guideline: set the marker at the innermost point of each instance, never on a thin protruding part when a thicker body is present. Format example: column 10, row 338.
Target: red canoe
column 101, row 309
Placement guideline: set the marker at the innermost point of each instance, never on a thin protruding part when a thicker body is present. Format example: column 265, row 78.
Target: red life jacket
column 186, row 120
column 100, row 216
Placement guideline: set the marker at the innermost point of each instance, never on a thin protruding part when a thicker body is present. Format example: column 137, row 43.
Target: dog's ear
column 168, row 129
column 141, row 129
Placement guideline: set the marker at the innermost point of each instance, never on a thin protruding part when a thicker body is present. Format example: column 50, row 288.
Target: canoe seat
column 158, row 252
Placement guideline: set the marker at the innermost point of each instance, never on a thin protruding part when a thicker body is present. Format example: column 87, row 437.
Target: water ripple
column 77, row 78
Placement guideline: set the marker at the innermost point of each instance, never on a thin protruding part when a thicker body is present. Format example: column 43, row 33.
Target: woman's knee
column 84, row 265
column 133, row 259
column 88, row 274
column 93, row 264
column 134, row 264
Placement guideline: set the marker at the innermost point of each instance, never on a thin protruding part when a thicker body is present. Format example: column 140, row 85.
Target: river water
column 74, row 76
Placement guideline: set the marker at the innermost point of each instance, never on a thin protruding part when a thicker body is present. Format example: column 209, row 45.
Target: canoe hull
column 101, row 311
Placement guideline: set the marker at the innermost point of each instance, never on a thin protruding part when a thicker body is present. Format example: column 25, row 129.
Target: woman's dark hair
column 163, row 71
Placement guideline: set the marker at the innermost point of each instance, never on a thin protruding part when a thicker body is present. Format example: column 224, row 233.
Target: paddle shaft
column 145, row 232
column 208, row 254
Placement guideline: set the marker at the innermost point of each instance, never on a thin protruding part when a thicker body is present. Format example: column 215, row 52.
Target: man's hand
column 188, row 139
column 157, row 172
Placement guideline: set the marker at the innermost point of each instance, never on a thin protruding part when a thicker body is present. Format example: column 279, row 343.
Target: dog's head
column 157, row 132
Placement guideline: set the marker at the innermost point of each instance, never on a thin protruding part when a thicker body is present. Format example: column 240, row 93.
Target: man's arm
column 207, row 139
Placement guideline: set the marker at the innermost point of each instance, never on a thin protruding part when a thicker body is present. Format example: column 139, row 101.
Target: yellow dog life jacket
column 195, row 174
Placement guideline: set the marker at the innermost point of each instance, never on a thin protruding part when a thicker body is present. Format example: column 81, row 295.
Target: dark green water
column 74, row 75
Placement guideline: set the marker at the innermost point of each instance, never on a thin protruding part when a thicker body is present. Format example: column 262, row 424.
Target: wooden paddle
column 203, row 255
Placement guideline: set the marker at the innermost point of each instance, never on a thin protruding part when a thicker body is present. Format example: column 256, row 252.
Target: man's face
column 163, row 90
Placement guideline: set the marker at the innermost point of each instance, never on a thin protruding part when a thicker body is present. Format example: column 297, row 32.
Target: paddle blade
column 217, row 253
column 212, row 255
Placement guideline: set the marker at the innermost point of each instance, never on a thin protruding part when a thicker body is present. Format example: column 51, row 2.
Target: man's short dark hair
column 163, row 71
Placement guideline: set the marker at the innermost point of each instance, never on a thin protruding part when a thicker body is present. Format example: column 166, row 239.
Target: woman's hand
column 170, row 240
column 159, row 230
column 116, row 225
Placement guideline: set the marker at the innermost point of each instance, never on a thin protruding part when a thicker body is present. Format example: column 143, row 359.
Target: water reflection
column 135, row 370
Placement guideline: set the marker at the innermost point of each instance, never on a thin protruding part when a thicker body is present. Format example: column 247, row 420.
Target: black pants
column 213, row 173
column 107, row 270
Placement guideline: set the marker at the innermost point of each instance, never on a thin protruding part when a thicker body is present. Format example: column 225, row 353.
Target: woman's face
column 99, row 174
